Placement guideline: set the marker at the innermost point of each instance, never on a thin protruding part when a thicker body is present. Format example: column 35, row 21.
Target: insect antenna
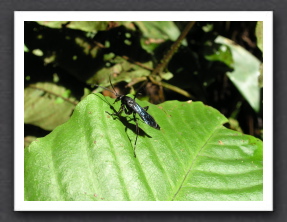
column 106, row 89
column 114, row 91
column 112, row 85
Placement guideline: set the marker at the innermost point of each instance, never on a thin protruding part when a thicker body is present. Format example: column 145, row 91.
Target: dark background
column 6, row 112
column 192, row 67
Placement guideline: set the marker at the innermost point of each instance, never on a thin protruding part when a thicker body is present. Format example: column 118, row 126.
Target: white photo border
column 21, row 205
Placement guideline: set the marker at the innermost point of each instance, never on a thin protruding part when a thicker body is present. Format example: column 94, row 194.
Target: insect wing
column 147, row 118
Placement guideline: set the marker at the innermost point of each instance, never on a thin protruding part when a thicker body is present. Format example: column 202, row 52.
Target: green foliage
column 127, row 70
column 192, row 157
column 259, row 34
column 89, row 155
column 88, row 52
column 245, row 74
column 47, row 110
column 88, row 26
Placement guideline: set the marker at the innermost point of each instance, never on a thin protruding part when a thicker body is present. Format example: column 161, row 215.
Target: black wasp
column 129, row 106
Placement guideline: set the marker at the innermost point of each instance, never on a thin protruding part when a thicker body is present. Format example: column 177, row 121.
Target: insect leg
column 127, row 111
column 146, row 108
column 117, row 113
column 137, row 132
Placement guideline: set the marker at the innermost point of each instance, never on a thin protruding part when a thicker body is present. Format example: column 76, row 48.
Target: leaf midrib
column 192, row 163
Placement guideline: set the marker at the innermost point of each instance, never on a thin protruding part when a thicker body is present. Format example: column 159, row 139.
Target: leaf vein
column 193, row 161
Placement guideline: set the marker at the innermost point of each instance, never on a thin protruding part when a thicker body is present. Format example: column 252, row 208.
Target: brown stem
column 167, row 57
column 173, row 88
column 137, row 63
column 163, row 84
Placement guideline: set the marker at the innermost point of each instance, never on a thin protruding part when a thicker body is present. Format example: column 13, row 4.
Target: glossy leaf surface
column 193, row 157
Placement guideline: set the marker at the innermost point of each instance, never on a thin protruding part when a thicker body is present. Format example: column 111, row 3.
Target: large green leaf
column 192, row 157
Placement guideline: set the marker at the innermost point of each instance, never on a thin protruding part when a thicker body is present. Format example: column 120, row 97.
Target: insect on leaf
column 193, row 157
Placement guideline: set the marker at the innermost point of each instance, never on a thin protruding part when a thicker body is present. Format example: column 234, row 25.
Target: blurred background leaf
column 245, row 74
column 47, row 105
column 259, row 35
